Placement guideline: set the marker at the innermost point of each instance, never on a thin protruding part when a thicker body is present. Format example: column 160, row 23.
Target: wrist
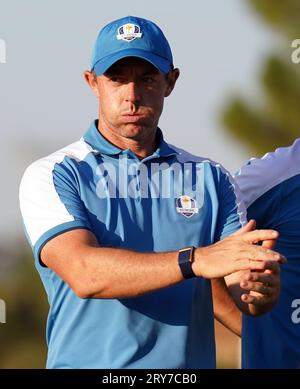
column 198, row 261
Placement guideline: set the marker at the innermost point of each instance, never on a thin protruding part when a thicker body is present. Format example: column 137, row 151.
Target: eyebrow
column 118, row 71
column 151, row 71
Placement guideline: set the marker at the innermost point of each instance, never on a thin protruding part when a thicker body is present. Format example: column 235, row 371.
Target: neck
column 140, row 147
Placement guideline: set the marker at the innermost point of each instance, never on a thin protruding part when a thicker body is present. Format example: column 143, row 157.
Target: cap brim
column 160, row 63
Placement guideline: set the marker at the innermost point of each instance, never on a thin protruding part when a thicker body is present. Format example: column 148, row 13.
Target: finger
column 263, row 278
column 259, row 259
column 250, row 226
column 270, row 265
column 273, row 266
column 268, row 271
column 258, row 287
column 248, row 264
column 255, row 300
column 257, row 265
column 259, row 299
column 260, row 235
column 261, row 253
column 269, row 243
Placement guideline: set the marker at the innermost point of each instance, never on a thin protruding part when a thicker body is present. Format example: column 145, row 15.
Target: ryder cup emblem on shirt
column 129, row 32
column 186, row 206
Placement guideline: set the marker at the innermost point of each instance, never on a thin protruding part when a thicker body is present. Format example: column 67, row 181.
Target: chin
column 135, row 132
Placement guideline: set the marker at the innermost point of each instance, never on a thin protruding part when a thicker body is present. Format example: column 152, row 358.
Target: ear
column 171, row 81
column 91, row 79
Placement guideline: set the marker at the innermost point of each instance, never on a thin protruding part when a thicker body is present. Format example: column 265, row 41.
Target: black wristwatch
column 185, row 259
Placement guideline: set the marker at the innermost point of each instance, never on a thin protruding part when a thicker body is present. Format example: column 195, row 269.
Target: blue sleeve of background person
column 232, row 213
column 265, row 210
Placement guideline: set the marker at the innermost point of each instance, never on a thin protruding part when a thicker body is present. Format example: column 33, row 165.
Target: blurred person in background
column 270, row 188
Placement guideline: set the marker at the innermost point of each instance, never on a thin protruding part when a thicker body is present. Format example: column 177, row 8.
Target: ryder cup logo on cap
column 186, row 206
column 131, row 37
column 129, row 32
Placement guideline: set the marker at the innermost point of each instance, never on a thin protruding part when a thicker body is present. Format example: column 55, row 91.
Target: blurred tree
column 282, row 15
column 276, row 121
column 22, row 337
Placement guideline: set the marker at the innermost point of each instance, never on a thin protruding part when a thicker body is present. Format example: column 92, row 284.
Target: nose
column 132, row 94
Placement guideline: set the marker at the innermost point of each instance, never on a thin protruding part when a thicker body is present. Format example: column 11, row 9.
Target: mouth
column 133, row 118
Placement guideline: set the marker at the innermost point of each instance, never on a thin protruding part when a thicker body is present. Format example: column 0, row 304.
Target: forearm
column 118, row 273
column 93, row 271
column 225, row 310
column 101, row 272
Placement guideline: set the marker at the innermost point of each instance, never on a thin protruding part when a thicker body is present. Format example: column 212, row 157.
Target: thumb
column 250, row 226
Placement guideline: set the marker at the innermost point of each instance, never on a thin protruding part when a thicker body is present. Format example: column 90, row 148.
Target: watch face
column 185, row 255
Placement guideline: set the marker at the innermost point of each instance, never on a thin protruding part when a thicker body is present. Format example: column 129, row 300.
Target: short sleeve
column 232, row 213
column 50, row 203
column 262, row 186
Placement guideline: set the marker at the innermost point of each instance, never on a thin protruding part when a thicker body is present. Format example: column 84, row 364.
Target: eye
column 116, row 79
column 148, row 79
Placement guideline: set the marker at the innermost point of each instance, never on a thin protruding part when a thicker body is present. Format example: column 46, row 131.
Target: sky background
column 44, row 101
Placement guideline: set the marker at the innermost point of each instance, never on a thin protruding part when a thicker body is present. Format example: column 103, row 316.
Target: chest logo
column 129, row 32
column 186, row 206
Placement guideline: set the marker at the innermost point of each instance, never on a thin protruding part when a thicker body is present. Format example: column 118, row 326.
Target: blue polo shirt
column 167, row 201
column 271, row 190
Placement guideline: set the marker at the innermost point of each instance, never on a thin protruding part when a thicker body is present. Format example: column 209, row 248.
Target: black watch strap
column 185, row 259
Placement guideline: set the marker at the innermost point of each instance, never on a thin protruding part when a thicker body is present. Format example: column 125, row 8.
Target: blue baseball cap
column 131, row 37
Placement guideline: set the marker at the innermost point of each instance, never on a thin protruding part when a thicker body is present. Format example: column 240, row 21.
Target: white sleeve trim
column 40, row 204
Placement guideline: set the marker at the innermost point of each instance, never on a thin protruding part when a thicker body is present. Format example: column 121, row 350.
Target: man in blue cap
column 127, row 230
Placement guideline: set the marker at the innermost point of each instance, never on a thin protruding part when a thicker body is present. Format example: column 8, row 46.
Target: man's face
column 131, row 96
